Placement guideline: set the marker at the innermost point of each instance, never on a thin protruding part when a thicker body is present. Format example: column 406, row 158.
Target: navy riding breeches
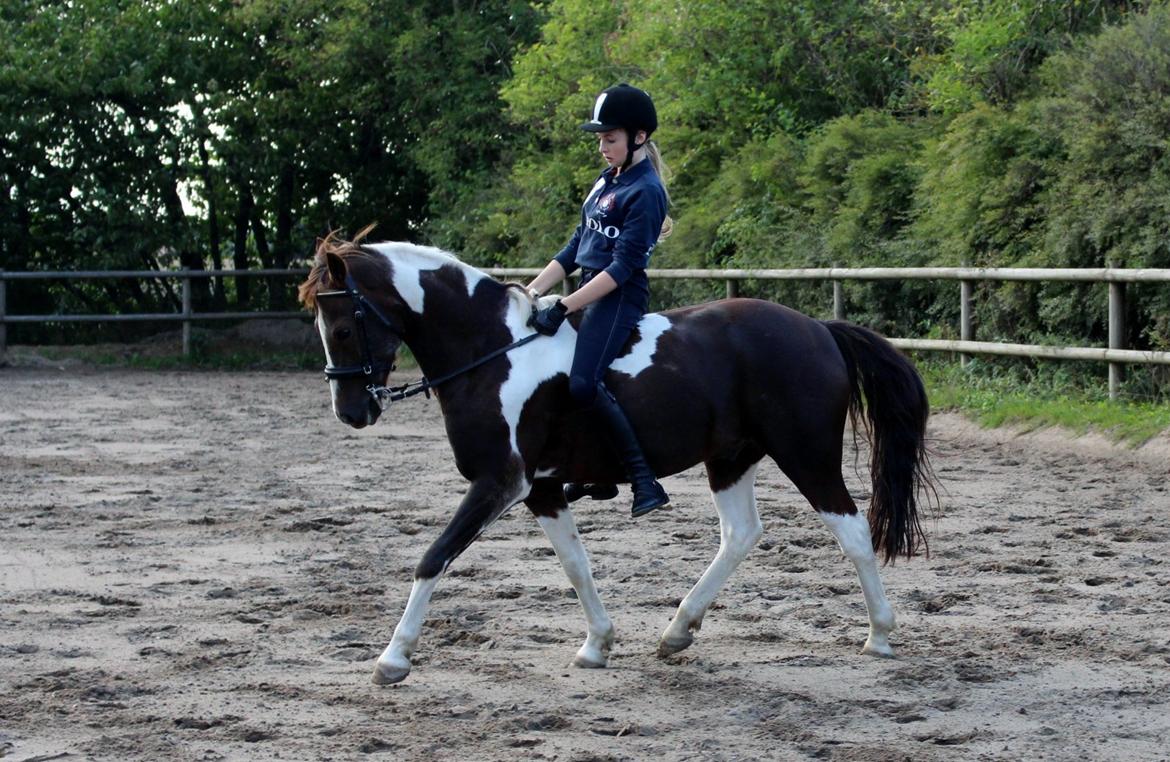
column 604, row 330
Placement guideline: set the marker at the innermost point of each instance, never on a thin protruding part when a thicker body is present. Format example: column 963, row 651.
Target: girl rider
column 621, row 221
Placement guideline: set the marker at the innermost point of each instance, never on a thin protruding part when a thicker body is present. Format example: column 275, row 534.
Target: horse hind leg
column 733, row 490
column 810, row 455
column 839, row 513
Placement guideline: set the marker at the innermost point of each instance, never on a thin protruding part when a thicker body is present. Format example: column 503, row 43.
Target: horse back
column 724, row 372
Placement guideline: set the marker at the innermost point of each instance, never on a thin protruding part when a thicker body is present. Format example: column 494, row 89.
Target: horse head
column 360, row 323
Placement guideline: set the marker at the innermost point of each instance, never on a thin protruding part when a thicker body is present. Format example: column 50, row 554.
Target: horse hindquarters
column 804, row 396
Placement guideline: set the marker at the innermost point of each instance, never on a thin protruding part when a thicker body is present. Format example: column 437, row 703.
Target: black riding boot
column 648, row 494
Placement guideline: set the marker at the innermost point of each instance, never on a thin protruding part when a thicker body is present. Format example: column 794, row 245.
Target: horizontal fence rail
column 1116, row 278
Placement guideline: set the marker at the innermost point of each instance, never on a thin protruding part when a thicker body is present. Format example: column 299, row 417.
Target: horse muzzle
column 360, row 414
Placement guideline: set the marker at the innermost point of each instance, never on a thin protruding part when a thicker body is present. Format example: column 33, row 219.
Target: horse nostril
column 345, row 418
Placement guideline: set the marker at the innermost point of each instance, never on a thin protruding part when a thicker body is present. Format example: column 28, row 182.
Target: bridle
column 370, row 367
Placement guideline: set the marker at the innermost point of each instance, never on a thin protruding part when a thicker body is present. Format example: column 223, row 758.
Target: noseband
column 361, row 306
column 383, row 395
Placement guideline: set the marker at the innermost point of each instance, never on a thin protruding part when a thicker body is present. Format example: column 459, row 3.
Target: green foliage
column 981, row 185
column 860, row 177
column 145, row 136
column 527, row 210
column 725, row 75
column 995, row 46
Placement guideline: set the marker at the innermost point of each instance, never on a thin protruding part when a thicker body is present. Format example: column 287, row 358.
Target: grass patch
column 993, row 396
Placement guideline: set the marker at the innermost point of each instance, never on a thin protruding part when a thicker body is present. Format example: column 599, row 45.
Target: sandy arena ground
column 203, row 566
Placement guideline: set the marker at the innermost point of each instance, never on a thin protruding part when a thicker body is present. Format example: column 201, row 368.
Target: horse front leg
column 485, row 501
column 547, row 502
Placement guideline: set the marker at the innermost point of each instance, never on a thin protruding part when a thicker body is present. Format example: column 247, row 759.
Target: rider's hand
column 549, row 319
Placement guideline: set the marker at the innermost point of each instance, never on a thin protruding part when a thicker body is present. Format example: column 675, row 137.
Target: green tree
column 212, row 134
column 993, row 47
column 1111, row 202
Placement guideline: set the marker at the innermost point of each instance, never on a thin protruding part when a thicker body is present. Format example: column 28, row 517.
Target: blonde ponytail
column 665, row 175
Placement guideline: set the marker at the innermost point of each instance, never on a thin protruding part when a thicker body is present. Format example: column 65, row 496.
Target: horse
column 724, row 384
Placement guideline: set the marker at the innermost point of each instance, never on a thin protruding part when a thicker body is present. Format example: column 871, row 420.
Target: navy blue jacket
column 621, row 220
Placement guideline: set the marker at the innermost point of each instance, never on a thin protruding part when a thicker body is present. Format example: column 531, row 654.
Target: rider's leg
column 604, row 330
column 648, row 493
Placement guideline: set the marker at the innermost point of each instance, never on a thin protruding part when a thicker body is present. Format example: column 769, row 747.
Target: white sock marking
column 397, row 654
column 406, row 634
column 852, row 533
column 739, row 531
column 562, row 533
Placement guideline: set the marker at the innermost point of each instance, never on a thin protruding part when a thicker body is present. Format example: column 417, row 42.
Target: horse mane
column 332, row 243
column 357, row 249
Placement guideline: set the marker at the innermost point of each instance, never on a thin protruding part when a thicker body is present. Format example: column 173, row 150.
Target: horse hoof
column 671, row 646
column 386, row 674
column 584, row 662
column 882, row 652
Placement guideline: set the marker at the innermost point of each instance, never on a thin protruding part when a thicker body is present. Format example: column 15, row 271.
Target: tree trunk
column 212, row 225
column 178, row 224
column 240, row 242
column 282, row 251
column 261, row 239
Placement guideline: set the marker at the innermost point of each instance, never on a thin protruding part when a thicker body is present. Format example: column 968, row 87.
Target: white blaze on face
column 333, row 385
column 641, row 355
column 409, row 262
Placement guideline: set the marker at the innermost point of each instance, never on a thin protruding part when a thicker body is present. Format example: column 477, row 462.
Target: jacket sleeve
column 640, row 230
column 568, row 255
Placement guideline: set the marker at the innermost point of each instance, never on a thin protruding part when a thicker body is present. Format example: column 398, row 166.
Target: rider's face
column 612, row 145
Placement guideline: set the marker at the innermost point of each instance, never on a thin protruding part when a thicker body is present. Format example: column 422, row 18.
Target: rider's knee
column 582, row 389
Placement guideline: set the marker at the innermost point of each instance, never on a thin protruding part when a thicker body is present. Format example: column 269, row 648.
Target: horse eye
column 343, row 333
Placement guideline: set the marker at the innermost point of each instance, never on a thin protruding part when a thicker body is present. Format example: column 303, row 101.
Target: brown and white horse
column 724, row 384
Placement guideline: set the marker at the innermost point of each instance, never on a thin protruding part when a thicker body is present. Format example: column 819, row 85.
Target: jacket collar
column 631, row 174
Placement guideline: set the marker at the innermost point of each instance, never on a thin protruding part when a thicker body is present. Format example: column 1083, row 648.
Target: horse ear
column 337, row 270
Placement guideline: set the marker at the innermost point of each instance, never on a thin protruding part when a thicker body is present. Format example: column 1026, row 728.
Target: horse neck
column 465, row 313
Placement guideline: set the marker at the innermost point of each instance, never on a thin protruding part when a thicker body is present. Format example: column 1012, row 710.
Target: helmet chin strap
column 631, row 147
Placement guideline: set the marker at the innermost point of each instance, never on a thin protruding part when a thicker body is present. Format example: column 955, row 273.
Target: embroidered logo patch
column 605, row 204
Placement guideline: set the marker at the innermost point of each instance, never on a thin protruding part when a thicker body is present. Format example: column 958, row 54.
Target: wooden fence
column 1115, row 354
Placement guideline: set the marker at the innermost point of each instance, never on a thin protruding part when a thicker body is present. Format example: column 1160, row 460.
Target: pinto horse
column 724, row 384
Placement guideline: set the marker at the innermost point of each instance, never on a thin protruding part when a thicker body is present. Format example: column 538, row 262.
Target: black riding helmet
column 624, row 107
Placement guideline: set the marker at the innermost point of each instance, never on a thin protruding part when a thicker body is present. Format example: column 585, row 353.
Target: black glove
column 548, row 320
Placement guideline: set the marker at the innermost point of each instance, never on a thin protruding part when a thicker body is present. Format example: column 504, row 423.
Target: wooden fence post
column 3, row 312
column 1116, row 335
column 186, row 312
column 838, row 300
column 966, row 324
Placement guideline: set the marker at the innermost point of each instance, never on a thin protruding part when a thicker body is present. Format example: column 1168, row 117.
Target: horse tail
column 895, row 411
